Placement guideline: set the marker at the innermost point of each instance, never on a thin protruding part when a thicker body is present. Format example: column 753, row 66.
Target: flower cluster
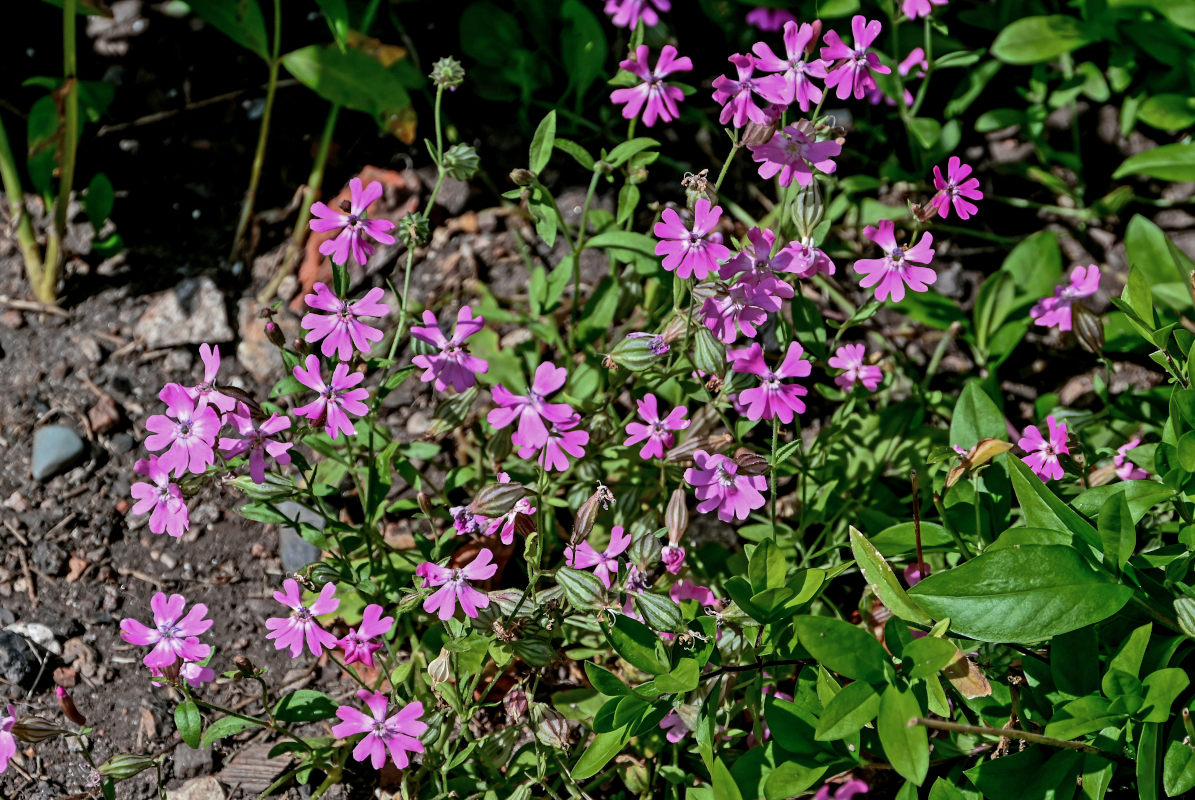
column 548, row 432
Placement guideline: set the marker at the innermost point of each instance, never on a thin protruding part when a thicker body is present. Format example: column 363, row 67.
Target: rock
column 257, row 353
column 295, row 551
column 191, row 313
column 48, row 557
column 17, row 502
column 37, row 633
column 205, row 788
column 55, row 450
column 104, row 415
column 190, row 763
column 18, row 662
column 123, row 443
column 12, row 319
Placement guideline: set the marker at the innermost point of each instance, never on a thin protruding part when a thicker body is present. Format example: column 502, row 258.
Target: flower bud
column 35, row 729
column 69, row 709
column 645, row 551
column 320, row 573
column 522, row 177
column 425, row 503
column 709, row 355
column 496, row 499
column 676, row 516
column 684, row 451
column 123, row 766
column 244, row 666
column 460, row 162
column 698, row 186
column 808, row 210
column 916, row 572
column 440, row 668
column 499, row 446
column 447, row 73
column 756, row 134
column 275, row 335
column 637, row 352
column 515, row 703
column 673, row 558
column 551, row 728
column 535, row 651
column 751, row 463
column 1088, row 328
column 983, row 451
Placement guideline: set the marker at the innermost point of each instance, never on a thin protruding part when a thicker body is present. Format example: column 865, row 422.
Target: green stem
column 259, row 155
column 928, row 46
column 939, row 352
column 30, row 252
column 772, row 471
column 47, row 290
column 734, row 148
column 572, row 322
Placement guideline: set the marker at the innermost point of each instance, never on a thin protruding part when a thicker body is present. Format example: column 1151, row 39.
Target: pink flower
column 467, row 522
column 757, row 266
column 915, row 58
column 769, row 19
column 194, row 674
column 351, row 218
column 807, row 261
column 719, row 486
column 341, row 329
column 792, row 83
column 336, row 400
column 257, row 441
column 8, row 742
column 504, row 526
column 673, row 558
column 301, row 626
column 454, row 365
column 207, row 392
column 563, row 440
column 848, row 790
column 956, row 191
column 919, row 8
column 454, row 585
column 603, row 564
column 659, row 98
column 692, row 253
column 1055, row 312
column 358, row 644
column 742, row 306
column 894, row 271
column 532, row 410
column 792, row 154
column 676, row 727
column 161, row 497
column 772, row 398
column 852, row 74
column 658, row 431
column 849, row 357
column 687, row 590
column 173, row 635
column 734, row 95
column 629, row 13
column 399, row 733
column 187, row 431
column 1043, row 453
column 1126, row 470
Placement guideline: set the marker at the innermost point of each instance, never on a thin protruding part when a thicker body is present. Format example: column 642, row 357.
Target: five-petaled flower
column 772, row 398
column 354, row 224
column 399, row 733
column 256, row 440
column 532, row 410
column 849, row 357
column 919, row 8
column 1055, row 311
column 658, row 430
column 1126, row 470
column 629, row 13
column 852, row 72
column 161, row 498
column 207, row 391
column 454, row 585
column 735, row 94
column 341, row 327
column 454, row 365
column 174, row 635
column 792, row 82
column 656, row 99
column 897, row 268
column 957, row 190
column 792, row 154
column 1043, row 452
column 336, row 399
column 358, row 644
column 563, row 439
column 301, row 626
column 186, row 433
column 718, row 485
column 603, row 564
column 690, row 252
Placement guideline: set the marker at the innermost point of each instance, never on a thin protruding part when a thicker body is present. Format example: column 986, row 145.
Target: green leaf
column 1168, row 112
column 98, row 200
column 900, row 538
column 305, row 705
column 766, row 567
column 605, row 681
column 1031, row 40
column 926, row 130
column 579, row 153
column 620, row 154
column 683, row 678
column 1147, row 761
column 724, row 786
column 582, row 45
column 1178, row 762
column 239, row 20
column 907, row 747
column 1141, row 497
column 638, row 644
column 1021, row 594
column 843, row 648
column 542, row 143
column 883, row 581
column 1035, row 264
column 189, row 723
column 927, row 656
column 336, row 14
column 225, row 727
column 1168, row 162
column 1117, row 531
column 624, row 241
column 975, row 417
column 848, row 711
column 354, row 79
column 1043, row 509
column 1162, row 688
column 599, row 751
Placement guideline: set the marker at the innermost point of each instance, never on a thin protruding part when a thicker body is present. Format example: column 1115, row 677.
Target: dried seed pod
column 440, row 668
column 1088, row 328
column 676, row 516
column 36, row 729
column 684, row 451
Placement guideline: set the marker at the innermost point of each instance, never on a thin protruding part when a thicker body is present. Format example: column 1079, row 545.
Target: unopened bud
column 1088, row 328
column 440, row 668
column 274, row 334
column 676, row 516
column 645, row 551
column 244, row 666
column 709, row 355
column 587, row 513
column 499, row 446
column 638, row 351
column 808, row 210
column 69, row 709
column 496, row 499
column 756, row 134
column 923, row 213
column 684, row 451
column 522, row 177
column 319, row 573
column 751, row 463
column 36, row 729
column 551, row 728
column 817, row 35
column 123, row 766
column 515, row 703
column 447, row 73
column 425, row 503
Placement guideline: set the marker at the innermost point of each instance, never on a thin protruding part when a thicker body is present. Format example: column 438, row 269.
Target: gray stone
column 55, row 450
column 48, row 557
column 123, row 443
column 191, row 313
column 18, row 662
column 295, row 551
column 190, row 763
column 205, row 788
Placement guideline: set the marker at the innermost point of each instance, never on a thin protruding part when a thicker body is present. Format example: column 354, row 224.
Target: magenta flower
column 658, row 431
column 659, row 98
column 358, row 644
column 770, row 19
column 792, row 83
column 257, row 441
column 301, row 626
column 684, row 590
column 184, row 431
column 351, row 218
column 792, row 154
column 1055, row 311
column 772, row 398
column 1043, row 453
column 505, row 525
column 849, row 357
column 692, row 253
column 757, row 266
column 846, row 791
column 742, row 306
column 466, row 522
column 603, row 564
column 532, row 410
column 956, row 191
column 734, row 94
column 160, row 498
column 807, row 261
column 173, row 635
column 193, row 673
column 896, row 269
column 399, row 733
column 8, row 742
column 629, row 13
column 454, row 585
column 673, row 558
column 852, row 72
column 336, row 400
column 206, row 393
column 675, row 726
column 454, row 365
column 563, row 440
column 340, row 328
column 915, row 58
column 719, row 486
column 1126, row 470
column 919, row 8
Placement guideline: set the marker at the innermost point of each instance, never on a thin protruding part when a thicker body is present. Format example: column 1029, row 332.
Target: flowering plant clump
column 690, row 511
